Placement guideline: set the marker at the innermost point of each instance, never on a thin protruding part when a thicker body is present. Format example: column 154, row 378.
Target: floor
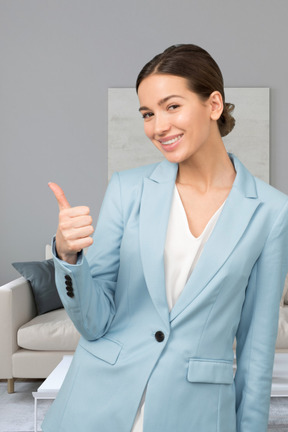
column 17, row 409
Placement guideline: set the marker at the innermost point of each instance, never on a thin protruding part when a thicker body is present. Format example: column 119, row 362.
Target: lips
column 170, row 142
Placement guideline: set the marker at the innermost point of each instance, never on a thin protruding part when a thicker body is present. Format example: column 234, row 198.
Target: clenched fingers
column 75, row 227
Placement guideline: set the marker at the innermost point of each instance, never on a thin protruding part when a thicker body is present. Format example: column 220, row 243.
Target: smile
column 171, row 140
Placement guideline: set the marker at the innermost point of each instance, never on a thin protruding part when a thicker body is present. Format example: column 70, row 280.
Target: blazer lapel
column 237, row 212
column 154, row 216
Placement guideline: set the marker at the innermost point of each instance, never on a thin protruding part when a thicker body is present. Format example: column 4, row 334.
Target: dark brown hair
column 201, row 72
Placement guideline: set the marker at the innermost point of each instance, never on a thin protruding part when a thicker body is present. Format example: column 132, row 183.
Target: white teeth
column 171, row 141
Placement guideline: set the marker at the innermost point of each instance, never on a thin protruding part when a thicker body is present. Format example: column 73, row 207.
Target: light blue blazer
column 185, row 357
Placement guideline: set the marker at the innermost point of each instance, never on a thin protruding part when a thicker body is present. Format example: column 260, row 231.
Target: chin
column 174, row 157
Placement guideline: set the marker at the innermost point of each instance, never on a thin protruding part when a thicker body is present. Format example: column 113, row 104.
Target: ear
column 216, row 104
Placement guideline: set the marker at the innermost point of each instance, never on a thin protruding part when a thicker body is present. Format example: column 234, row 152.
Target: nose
column 161, row 124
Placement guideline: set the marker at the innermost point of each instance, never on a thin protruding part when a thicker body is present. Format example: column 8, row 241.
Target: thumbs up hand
column 75, row 227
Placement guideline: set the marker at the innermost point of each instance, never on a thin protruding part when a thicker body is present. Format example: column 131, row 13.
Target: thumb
column 59, row 195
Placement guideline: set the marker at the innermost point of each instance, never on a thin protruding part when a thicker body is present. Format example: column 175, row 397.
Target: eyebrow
column 161, row 102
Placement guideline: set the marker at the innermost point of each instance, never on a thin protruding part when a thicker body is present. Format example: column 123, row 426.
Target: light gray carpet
column 17, row 409
column 278, row 416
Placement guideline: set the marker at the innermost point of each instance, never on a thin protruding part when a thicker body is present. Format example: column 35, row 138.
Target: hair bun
column 226, row 122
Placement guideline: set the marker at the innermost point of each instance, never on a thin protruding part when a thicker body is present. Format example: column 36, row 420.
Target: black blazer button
column 68, row 283
column 70, row 294
column 159, row 336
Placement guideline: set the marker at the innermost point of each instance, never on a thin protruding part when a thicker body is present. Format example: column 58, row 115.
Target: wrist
column 68, row 258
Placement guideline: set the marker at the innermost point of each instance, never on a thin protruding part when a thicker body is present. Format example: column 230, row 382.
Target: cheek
column 186, row 121
column 197, row 126
column 148, row 130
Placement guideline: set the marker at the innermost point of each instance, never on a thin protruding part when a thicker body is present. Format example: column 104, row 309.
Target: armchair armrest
column 17, row 307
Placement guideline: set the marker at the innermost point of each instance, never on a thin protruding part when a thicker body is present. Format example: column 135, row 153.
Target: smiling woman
column 187, row 255
column 179, row 114
column 201, row 72
column 184, row 127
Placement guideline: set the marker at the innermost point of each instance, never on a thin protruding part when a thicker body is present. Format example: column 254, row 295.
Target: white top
column 182, row 251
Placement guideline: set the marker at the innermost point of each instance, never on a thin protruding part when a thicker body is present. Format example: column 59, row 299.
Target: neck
column 207, row 170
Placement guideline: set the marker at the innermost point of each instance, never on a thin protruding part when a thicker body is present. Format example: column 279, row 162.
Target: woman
column 187, row 255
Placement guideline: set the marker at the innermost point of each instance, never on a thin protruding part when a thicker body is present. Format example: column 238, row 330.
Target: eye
column 147, row 115
column 173, row 107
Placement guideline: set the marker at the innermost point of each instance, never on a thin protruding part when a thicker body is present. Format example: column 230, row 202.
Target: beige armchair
column 31, row 346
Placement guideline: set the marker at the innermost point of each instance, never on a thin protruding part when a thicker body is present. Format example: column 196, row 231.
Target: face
column 176, row 120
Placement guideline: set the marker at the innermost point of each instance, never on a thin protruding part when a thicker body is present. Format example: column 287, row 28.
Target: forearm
column 88, row 301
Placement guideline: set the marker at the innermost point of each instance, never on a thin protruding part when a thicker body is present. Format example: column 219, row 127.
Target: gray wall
column 58, row 58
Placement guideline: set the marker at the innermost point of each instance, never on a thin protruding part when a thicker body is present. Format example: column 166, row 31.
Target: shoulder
column 274, row 205
column 133, row 179
column 127, row 186
column 270, row 194
column 137, row 174
column 253, row 187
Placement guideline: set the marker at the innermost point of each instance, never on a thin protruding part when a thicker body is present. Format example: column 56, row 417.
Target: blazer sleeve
column 257, row 331
column 91, row 306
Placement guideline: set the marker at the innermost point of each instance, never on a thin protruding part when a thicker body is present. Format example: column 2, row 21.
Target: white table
column 50, row 387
